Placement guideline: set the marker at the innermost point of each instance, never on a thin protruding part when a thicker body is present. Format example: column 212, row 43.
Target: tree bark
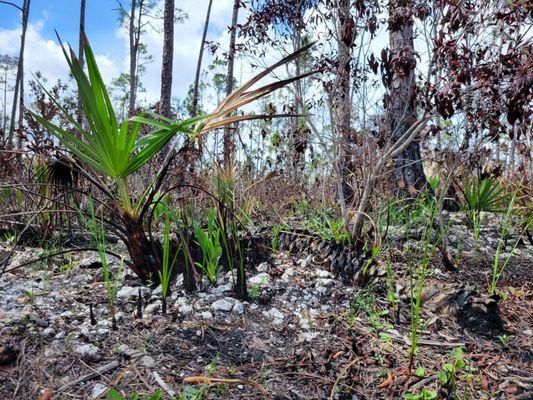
column 342, row 104
column 134, row 39
column 79, row 114
column 298, row 150
column 168, row 54
column 4, row 122
column 19, row 80
column 408, row 174
column 228, row 140
column 194, row 105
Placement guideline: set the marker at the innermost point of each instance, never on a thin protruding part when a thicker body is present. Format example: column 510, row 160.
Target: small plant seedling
column 481, row 195
column 276, row 230
column 424, row 395
column 31, row 297
column 255, row 289
column 374, row 254
column 391, row 289
column 454, row 370
column 113, row 394
column 420, row 372
column 9, row 238
column 504, row 339
column 69, row 266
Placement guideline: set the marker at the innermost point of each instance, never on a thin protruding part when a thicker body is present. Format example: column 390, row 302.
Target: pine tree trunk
column 228, row 140
column 19, row 80
column 194, row 106
column 168, row 54
column 134, row 40
column 4, row 126
column 298, row 150
column 342, row 104
column 408, row 174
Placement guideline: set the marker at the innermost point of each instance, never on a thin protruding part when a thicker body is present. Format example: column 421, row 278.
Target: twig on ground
column 340, row 376
column 208, row 380
column 162, row 383
column 102, row 370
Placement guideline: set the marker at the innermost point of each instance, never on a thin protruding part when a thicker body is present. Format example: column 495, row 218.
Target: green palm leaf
column 115, row 150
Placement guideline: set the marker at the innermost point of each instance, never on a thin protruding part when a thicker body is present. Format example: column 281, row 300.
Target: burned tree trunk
column 196, row 87
column 408, row 174
column 342, row 105
column 168, row 54
column 228, row 139
column 145, row 255
column 18, row 96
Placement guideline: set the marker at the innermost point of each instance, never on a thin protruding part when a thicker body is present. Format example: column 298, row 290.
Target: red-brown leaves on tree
column 373, row 63
column 422, row 10
column 400, row 18
column 520, row 95
column 444, row 102
column 348, row 31
column 403, row 61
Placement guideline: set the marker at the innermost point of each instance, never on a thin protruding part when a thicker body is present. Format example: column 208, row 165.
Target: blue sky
column 63, row 15
column 109, row 41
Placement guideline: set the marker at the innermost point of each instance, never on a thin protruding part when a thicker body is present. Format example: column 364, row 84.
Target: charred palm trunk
column 145, row 255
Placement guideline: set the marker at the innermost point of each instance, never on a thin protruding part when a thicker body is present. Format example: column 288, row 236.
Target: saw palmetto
column 115, row 150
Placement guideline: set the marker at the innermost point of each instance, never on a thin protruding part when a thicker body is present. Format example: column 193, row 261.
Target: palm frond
column 222, row 115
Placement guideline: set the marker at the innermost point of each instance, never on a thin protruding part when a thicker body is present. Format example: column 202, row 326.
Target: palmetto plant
column 210, row 246
column 481, row 195
column 167, row 265
column 110, row 152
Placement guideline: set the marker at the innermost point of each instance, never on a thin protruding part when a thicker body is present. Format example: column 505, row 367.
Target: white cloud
column 45, row 56
column 187, row 38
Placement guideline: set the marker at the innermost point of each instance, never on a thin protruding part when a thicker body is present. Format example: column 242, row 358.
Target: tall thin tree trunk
column 21, row 108
column 194, row 106
column 19, row 80
column 228, row 140
column 168, row 54
column 297, row 155
column 408, row 174
column 5, row 104
column 80, row 52
column 342, row 104
column 134, row 39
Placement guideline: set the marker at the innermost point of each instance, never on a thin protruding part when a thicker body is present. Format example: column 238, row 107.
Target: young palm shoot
column 481, row 195
column 165, row 274
column 210, row 246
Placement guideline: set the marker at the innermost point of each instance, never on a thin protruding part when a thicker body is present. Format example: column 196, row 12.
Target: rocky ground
column 303, row 334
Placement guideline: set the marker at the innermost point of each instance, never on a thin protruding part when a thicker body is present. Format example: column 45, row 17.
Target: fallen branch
column 102, row 370
column 209, row 380
column 428, row 342
column 340, row 376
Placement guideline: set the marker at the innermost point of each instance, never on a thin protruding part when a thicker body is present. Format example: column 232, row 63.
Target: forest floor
column 303, row 334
